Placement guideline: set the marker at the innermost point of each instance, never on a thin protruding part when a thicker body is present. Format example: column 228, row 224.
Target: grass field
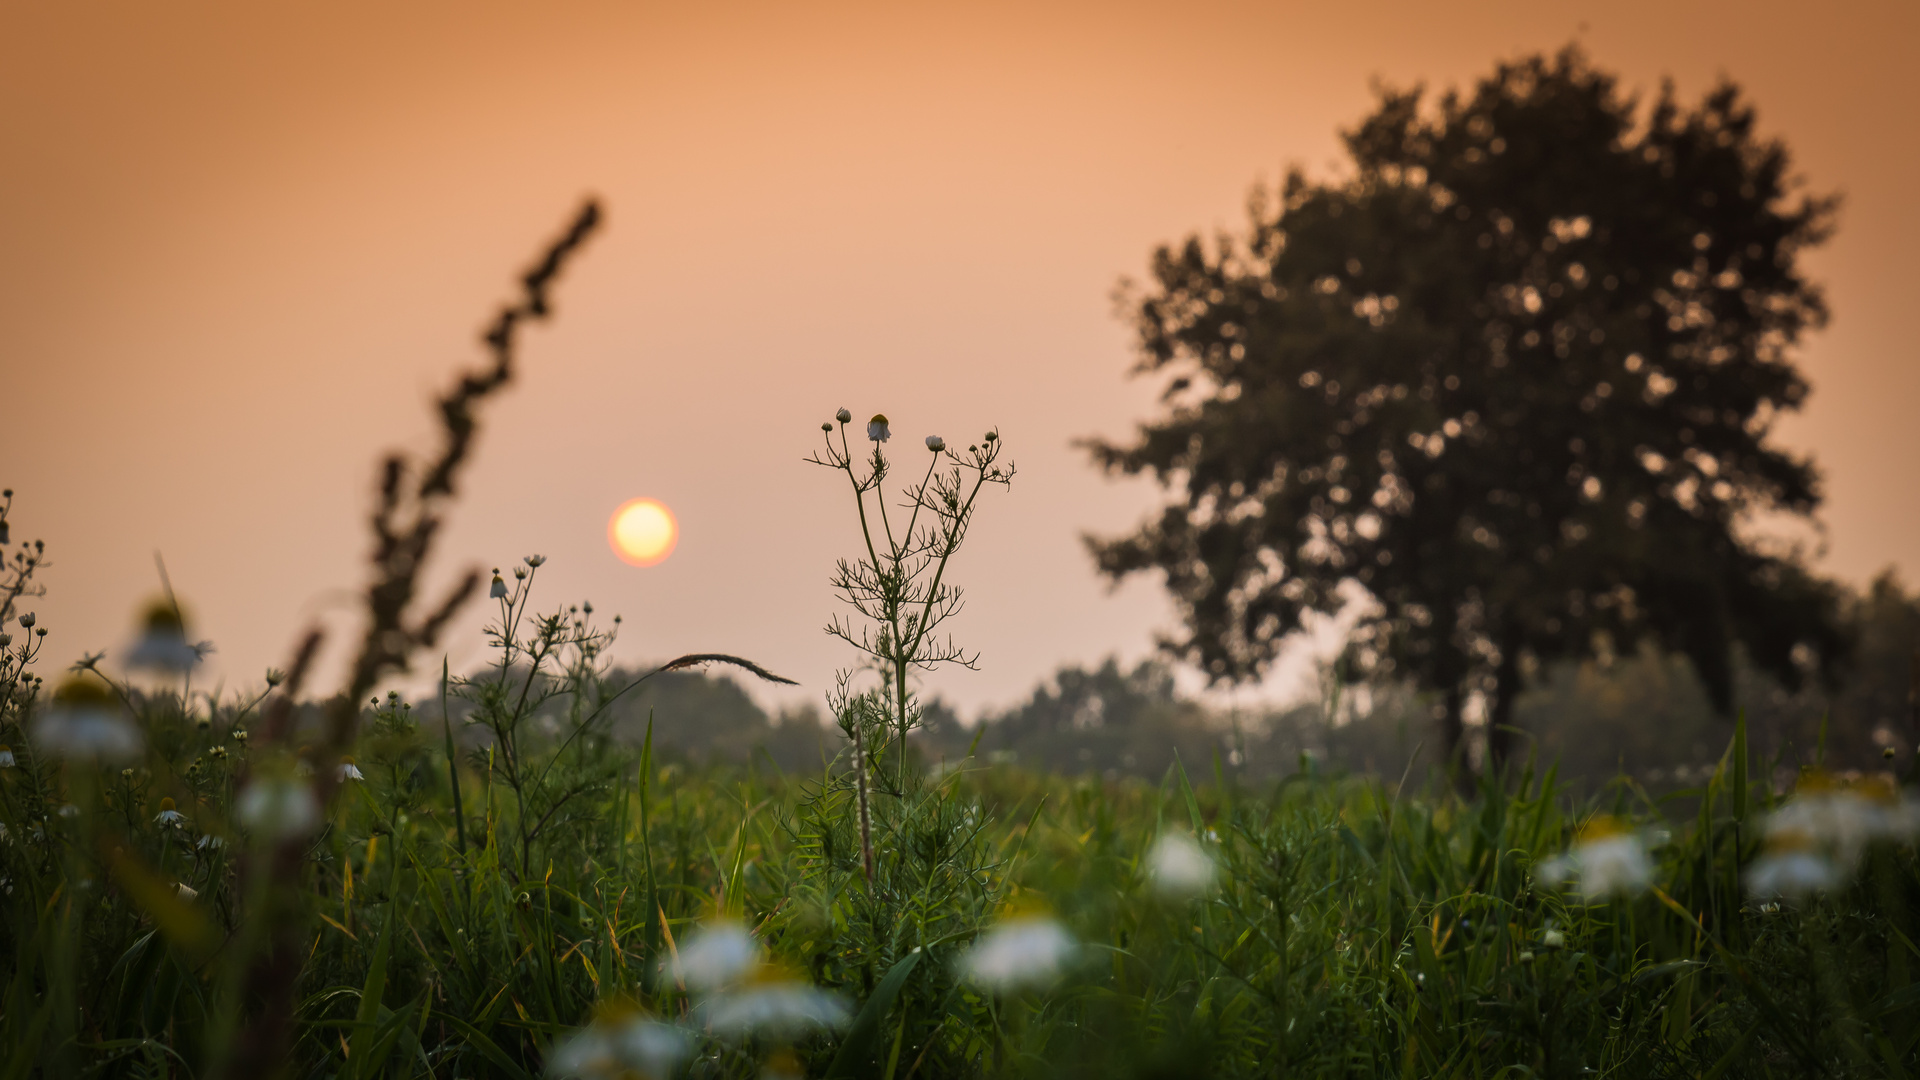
column 721, row 923
column 487, row 883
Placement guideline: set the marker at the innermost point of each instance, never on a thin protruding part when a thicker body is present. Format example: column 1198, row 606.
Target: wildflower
column 26, row 621
column 278, row 807
column 1553, row 939
column 621, row 1045
column 1792, row 874
column 843, row 416
column 185, row 891
column 69, row 810
column 1606, row 860
column 773, row 1004
column 349, row 771
column 85, row 723
column 936, row 444
column 5, row 640
column 6, row 756
column 1025, row 951
column 877, row 428
column 1179, row 867
column 1815, row 841
column 209, row 843
column 718, row 955
column 168, row 817
column 535, row 560
column 498, row 591
column 238, row 734
column 218, row 752
column 163, row 643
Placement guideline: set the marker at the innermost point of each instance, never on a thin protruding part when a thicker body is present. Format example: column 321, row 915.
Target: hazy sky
column 242, row 245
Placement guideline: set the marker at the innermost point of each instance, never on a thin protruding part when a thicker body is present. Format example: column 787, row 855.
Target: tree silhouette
column 1515, row 377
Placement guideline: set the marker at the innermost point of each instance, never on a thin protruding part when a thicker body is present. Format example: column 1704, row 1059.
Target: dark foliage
column 1515, row 377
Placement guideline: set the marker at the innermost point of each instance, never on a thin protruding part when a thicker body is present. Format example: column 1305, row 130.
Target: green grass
column 1355, row 931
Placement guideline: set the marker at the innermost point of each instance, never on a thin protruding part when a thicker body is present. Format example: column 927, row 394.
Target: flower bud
column 26, row 621
column 936, row 444
column 843, row 416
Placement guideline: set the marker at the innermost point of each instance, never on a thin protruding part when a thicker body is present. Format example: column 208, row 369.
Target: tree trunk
column 1453, row 731
column 1506, row 687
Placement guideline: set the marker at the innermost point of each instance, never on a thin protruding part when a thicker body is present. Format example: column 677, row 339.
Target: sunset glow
column 642, row 532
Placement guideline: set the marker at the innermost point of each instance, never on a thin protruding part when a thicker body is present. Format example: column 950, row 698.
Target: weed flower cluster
column 1815, row 842
column 1024, row 952
column 1608, row 859
column 1179, row 867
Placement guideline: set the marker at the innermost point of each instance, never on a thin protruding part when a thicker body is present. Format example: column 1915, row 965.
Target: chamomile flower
column 86, row 723
column 719, row 954
column 350, row 771
column 620, row 1043
column 1026, row 951
column 1792, row 874
column 843, row 416
column 168, row 817
column 1816, row 840
column 1606, row 860
column 936, row 444
column 185, row 891
column 773, row 1003
column 278, row 807
column 6, row 756
column 163, row 644
column 877, row 428
column 498, row 590
column 1178, row 867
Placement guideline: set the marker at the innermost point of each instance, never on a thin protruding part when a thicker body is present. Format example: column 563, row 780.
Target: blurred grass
column 1358, row 930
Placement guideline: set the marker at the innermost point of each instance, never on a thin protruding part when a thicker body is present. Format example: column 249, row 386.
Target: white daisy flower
column 168, row 817
column 349, row 771
column 498, row 590
column 6, row 756
column 1816, row 840
column 877, row 428
column 621, row 1047
column 936, row 444
column 86, row 723
column 1022, row 952
column 278, row 807
column 163, row 644
column 1792, row 874
column 27, row 621
column 719, row 954
column 1179, row 867
column 1606, row 860
column 1841, row 821
column 775, row 1006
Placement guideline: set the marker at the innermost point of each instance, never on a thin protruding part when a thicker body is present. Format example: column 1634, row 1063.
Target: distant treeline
column 1645, row 714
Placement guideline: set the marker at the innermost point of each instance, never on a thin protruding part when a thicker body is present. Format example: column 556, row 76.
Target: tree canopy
column 1515, row 376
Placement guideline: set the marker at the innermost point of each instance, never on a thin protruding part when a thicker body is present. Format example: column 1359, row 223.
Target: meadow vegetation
column 499, row 880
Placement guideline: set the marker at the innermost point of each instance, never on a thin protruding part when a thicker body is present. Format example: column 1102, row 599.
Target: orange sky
column 241, row 245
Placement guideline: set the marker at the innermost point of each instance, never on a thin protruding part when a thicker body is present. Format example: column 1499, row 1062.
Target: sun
column 642, row 532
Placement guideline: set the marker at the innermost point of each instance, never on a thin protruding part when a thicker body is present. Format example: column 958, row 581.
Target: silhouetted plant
column 1515, row 377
